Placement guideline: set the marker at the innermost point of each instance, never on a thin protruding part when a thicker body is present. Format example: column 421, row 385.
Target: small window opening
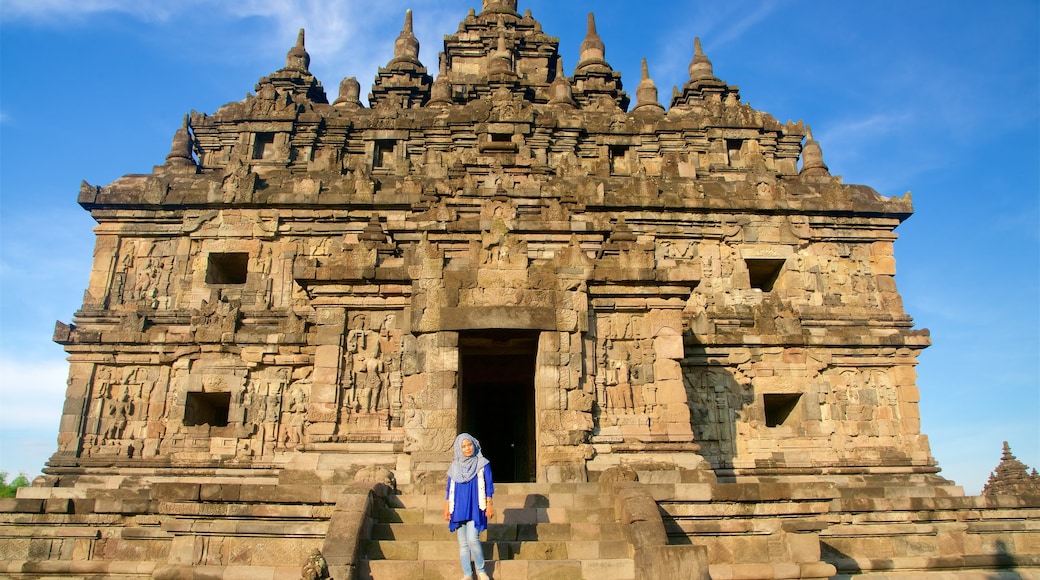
column 764, row 272
column 498, row 142
column 733, row 148
column 619, row 160
column 383, row 153
column 263, row 146
column 227, row 268
column 207, row 409
column 779, row 407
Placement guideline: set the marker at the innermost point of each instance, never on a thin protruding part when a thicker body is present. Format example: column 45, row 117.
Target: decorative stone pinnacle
column 700, row 66
column 181, row 148
column 812, row 156
column 440, row 91
column 562, row 93
column 297, row 58
column 349, row 93
column 592, row 48
column 502, row 58
column 373, row 231
column 406, row 47
column 498, row 5
column 646, row 92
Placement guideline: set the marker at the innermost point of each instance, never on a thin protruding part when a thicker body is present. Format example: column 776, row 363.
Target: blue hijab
column 463, row 468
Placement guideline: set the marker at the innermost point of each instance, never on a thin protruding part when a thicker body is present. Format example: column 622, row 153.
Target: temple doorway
column 496, row 398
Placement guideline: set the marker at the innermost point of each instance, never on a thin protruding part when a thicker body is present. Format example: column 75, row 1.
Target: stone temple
column 676, row 334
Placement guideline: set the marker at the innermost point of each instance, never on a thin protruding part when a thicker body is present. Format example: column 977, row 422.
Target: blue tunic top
column 467, row 502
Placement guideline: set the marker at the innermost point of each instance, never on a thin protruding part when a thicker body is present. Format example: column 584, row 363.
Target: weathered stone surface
column 299, row 309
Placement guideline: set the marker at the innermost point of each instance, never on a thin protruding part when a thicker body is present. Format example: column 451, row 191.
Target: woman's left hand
column 490, row 511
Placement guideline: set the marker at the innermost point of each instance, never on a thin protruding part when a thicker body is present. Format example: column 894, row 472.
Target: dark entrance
column 496, row 398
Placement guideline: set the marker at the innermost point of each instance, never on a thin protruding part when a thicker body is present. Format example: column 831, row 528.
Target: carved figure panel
column 626, row 395
column 716, row 399
column 373, row 377
column 127, row 411
column 142, row 275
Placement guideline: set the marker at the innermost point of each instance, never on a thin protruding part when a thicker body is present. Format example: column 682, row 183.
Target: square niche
column 779, row 408
column 227, row 268
column 210, row 409
column 763, row 272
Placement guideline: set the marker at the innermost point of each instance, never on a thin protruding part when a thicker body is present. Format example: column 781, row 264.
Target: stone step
column 606, row 569
column 244, row 510
column 501, row 532
column 550, row 531
column 503, row 515
column 499, row 550
column 508, row 497
column 546, row 489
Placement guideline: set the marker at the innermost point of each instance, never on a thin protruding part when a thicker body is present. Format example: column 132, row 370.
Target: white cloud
column 31, row 393
column 846, row 133
column 717, row 25
column 343, row 38
column 351, row 38
column 739, row 20
column 61, row 11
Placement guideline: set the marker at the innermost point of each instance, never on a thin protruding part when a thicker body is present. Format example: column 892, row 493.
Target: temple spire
column 498, row 6
column 406, row 47
column 596, row 85
column 297, row 58
column 440, row 92
column 592, row 51
column 704, row 87
column 349, row 93
column 700, row 66
column 562, row 92
column 646, row 92
column 812, row 156
column 501, row 58
column 180, row 154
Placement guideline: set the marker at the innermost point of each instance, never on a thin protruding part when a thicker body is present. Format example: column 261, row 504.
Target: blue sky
column 938, row 98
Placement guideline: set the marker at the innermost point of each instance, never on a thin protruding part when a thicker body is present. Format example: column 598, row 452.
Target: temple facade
column 504, row 250
column 602, row 289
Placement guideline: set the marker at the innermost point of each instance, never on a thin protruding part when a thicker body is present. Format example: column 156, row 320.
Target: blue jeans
column 469, row 547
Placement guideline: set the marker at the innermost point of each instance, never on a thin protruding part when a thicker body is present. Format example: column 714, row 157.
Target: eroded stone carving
column 301, row 276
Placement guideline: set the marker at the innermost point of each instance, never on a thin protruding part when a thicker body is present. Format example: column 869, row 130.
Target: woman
column 467, row 506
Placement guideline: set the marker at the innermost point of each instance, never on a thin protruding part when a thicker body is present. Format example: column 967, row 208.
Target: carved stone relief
column 373, row 377
column 716, row 398
column 128, row 410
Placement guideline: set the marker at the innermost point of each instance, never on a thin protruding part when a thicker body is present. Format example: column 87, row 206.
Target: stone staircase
column 540, row 531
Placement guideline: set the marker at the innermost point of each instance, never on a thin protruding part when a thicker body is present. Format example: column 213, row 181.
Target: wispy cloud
column 718, row 25
column 32, row 393
column 343, row 38
column 738, row 21
column 846, row 133
column 63, row 11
